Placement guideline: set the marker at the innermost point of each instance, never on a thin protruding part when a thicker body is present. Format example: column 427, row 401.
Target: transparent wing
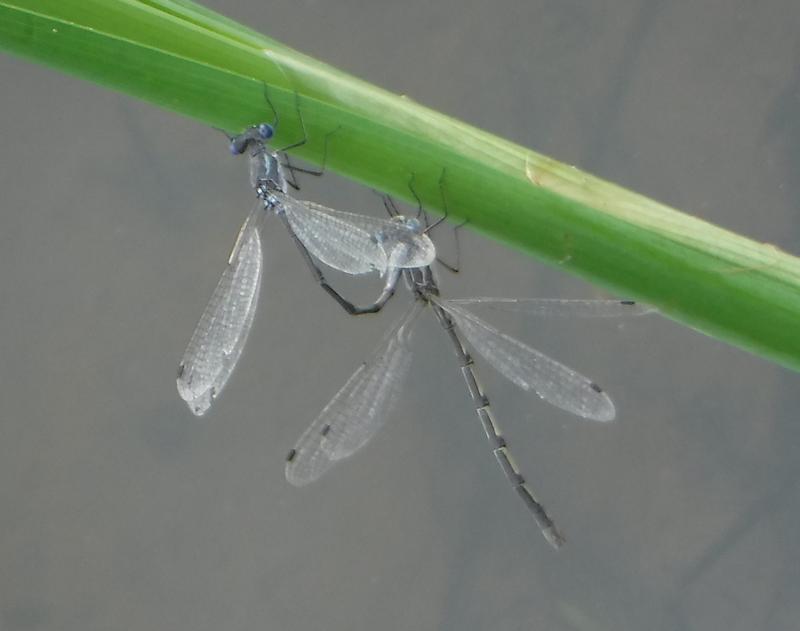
column 356, row 412
column 343, row 241
column 531, row 370
column 251, row 224
column 220, row 336
column 555, row 307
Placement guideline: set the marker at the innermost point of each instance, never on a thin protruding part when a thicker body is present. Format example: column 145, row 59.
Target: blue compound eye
column 265, row 131
column 238, row 145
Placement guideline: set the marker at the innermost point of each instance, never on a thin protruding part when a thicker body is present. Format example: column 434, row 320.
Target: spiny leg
column 292, row 179
column 453, row 268
column 420, row 210
column 495, row 437
column 287, row 164
column 304, row 139
column 275, row 118
column 390, row 206
column 296, row 169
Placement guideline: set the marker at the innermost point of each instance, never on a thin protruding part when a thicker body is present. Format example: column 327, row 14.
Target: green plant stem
column 190, row 60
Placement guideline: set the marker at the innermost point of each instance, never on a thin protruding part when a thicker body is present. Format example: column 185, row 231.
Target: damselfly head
column 255, row 135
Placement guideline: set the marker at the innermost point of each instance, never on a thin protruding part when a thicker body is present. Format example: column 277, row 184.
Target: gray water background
column 119, row 510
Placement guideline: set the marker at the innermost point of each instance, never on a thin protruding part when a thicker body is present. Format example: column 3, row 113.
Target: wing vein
column 220, row 335
column 532, row 370
column 355, row 413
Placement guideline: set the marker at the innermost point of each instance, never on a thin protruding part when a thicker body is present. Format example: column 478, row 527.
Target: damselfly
column 348, row 242
column 361, row 407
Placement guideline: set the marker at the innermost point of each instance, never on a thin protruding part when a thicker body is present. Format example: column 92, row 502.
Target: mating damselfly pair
column 397, row 248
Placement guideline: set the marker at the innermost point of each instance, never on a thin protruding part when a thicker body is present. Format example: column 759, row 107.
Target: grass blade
column 190, row 60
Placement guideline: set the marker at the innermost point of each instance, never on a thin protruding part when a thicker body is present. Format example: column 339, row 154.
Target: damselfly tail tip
column 554, row 537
